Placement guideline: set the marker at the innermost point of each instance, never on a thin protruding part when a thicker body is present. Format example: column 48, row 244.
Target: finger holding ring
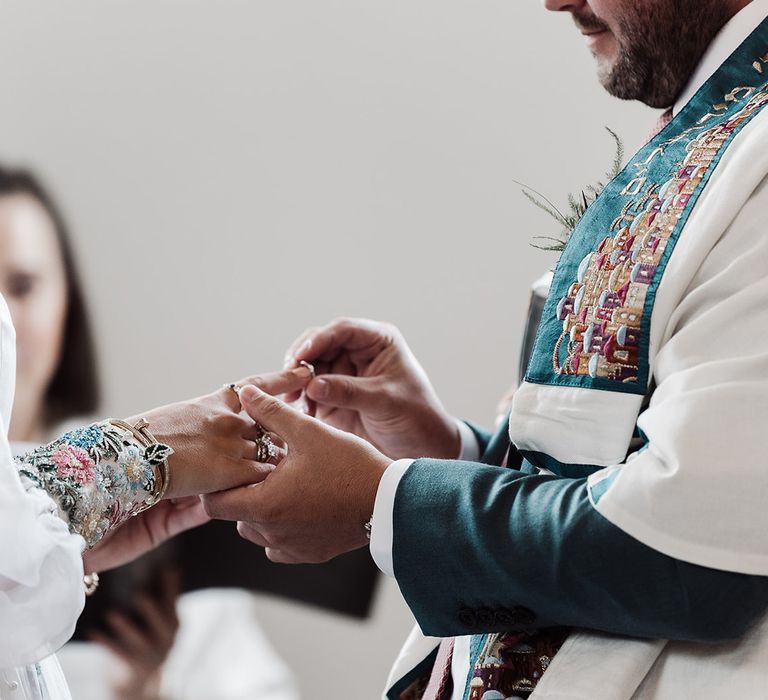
column 235, row 389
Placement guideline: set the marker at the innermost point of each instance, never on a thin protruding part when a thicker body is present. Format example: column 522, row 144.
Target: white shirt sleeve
column 382, row 525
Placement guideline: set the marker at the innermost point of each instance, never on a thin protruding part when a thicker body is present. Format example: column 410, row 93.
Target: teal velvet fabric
column 481, row 549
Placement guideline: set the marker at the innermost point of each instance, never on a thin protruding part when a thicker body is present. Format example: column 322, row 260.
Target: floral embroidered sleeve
column 99, row 476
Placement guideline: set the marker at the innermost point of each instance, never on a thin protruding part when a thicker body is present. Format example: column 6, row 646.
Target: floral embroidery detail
column 91, row 514
column 99, row 476
column 84, row 437
column 137, row 470
column 74, row 462
column 602, row 312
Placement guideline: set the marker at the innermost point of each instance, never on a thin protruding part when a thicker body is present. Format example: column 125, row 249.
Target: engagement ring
column 265, row 448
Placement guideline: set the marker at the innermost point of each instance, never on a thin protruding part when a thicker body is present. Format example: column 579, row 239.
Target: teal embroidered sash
column 596, row 323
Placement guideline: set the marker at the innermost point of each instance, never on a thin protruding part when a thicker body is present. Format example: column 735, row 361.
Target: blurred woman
column 112, row 488
column 56, row 373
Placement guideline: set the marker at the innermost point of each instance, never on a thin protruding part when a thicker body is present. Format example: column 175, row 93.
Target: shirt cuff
column 470, row 447
column 382, row 525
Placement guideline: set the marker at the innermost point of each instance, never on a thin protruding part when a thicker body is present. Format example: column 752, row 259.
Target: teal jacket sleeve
column 483, row 549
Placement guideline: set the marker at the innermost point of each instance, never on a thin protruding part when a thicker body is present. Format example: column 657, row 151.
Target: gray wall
column 236, row 171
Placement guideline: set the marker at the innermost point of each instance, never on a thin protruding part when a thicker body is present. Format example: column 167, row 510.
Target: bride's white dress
column 41, row 568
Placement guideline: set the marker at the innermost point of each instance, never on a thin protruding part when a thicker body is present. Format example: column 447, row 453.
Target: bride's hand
column 213, row 442
column 213, row 451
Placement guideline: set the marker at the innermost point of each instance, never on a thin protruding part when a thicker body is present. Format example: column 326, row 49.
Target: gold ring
column 307, row 365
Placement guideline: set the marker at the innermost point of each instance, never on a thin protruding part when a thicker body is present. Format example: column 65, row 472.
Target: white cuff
column 470, row 448
column 382, row 525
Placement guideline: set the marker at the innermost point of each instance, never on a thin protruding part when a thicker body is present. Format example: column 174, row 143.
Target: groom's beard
column 660, row 43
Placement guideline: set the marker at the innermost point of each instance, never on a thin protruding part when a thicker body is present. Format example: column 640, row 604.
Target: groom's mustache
column 589, row 22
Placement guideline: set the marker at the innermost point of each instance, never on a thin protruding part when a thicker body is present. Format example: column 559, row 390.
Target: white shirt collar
column 738, row 28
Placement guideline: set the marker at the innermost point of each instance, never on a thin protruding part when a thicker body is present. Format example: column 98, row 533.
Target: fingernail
column 289, row 361
column 305, row 348
column 320, row 389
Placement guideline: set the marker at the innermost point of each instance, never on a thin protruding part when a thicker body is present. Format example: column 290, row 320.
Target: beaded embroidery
column 99, row 476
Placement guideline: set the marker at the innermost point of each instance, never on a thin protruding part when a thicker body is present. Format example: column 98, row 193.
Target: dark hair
column 74, row 389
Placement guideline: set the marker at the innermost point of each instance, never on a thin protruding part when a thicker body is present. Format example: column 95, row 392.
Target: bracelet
column 155, row 453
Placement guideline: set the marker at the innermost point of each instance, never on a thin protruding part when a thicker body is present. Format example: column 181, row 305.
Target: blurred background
column 235, row 171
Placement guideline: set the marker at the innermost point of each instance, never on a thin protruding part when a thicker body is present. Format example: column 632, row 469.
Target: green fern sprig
column 577, row 204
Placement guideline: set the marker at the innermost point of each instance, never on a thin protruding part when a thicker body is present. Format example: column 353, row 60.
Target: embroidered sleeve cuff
column 382, row 526
column 98, row 476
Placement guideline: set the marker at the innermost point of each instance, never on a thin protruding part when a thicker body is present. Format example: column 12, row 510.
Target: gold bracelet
column 141, row 432
column 142, row 428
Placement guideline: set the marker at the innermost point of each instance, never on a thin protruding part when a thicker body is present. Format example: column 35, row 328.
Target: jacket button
column 467, row 617
column 486, row 619
column 523, row 616
column 505, row 618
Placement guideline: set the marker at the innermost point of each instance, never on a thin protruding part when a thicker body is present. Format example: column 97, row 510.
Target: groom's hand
column 369, row 383
column 316, row 502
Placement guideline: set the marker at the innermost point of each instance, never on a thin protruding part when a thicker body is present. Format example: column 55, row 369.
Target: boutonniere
column 577, row 204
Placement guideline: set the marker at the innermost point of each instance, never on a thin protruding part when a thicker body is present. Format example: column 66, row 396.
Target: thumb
column 340, row 391
column 271, row 413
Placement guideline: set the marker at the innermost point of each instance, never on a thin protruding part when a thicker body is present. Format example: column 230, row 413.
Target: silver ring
column 234, row 388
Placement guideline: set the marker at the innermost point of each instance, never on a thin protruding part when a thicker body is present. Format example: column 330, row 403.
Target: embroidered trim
column 98, row 475
column 513, row 663
column 699, row 135
column 604, row 309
